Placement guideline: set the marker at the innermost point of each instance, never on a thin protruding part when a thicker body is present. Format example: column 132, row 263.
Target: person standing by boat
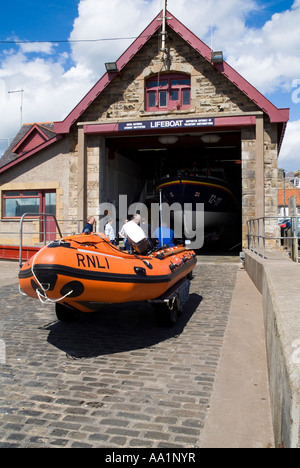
column 164, row 235
column 88, row 228
column 110, row 232
column 122, row 234
column 136, row 218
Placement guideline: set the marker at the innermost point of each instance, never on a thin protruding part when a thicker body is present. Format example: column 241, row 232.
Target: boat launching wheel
column 65, row 314
column 167, row 312
column 169, row 306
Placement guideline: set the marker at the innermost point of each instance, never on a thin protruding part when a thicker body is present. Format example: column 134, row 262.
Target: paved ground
column 117, row 380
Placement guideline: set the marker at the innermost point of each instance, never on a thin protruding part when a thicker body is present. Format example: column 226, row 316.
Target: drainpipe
column 102, row 175
column 284, row 200
column 82, row 176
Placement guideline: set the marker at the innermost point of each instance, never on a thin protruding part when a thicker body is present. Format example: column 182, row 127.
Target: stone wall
column 212, row 94
column 248, row 177
column 270, row 180
column 124, row 97
column 48, row 171
column 271, row 183
column 282, row 331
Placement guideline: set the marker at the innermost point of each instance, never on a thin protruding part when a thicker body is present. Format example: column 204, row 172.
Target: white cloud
column 35, row 77
column 100, row 19
column 49, row 94
column 268, row 57
column 36, row 47
column 289, row 157
column 128, row 19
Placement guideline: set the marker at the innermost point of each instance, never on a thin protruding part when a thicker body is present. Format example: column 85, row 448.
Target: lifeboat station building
column 154, row 111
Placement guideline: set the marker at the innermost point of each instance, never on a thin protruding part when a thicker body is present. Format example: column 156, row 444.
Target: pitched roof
column 288, row 194
column 275, row 114
column 34, row 137
column 30, row 139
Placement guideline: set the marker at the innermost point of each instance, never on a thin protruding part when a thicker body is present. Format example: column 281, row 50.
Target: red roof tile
column 288, row 194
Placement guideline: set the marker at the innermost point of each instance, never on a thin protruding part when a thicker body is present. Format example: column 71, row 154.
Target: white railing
column 7, row 232
column 257, row 235
column 45, row 234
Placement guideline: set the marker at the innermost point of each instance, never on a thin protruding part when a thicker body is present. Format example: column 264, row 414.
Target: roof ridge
column 275, row 114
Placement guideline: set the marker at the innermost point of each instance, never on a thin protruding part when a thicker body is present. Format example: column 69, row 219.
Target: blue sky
column 261, row 40
column 35, row 20
column 258, row 18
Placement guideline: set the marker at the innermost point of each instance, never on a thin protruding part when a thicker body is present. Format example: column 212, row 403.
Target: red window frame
column 168, row 91
column 21, row 195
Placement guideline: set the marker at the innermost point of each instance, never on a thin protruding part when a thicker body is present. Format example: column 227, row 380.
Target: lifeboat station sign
column 166, row 124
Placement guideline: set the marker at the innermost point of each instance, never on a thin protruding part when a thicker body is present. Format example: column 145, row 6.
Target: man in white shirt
column 135, row 235
column 109, row 231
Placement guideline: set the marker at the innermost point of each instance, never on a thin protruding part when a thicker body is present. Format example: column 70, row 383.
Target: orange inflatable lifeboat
column 83, row 272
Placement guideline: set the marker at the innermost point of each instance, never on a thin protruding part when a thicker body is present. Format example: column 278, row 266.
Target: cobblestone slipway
column 115, row 379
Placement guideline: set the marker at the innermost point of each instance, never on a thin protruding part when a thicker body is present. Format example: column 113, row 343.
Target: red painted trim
column 65, row 125
column 238, row 121
column 100, row 128
column 168, row 88
column 35, row 127
column 30, row 153
column 11, row 252
column 194, row 182
column 189, row 37
column 275, row 114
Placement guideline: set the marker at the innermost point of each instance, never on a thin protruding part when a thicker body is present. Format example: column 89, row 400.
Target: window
column 16, row 203
column 50, row 203
column 168, row 92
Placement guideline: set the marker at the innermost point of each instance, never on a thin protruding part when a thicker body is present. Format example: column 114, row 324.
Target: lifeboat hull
column 83, row 272
column 219, row 202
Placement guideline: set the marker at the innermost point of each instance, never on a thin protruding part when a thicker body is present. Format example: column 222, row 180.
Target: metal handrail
column 40, row 216
column 78, row 222
column 256, row 235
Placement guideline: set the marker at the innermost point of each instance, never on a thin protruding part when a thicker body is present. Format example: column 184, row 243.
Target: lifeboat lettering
column 90, row 261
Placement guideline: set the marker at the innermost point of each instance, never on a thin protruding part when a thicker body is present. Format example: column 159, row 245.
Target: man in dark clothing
column 88, row 228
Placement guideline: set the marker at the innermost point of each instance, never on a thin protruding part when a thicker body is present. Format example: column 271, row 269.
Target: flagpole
column 160, row 217
column 164, row 32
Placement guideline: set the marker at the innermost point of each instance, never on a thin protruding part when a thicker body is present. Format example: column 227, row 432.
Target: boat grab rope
column 42, row 292
column 146, row 262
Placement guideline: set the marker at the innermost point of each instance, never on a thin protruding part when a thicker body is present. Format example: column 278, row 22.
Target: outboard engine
column 136, row 237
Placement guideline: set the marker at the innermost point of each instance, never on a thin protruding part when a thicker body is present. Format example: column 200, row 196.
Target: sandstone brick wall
column 47, row 171
column 211, row 92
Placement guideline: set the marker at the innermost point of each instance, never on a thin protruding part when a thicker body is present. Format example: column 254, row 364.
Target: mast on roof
column 164, row 32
